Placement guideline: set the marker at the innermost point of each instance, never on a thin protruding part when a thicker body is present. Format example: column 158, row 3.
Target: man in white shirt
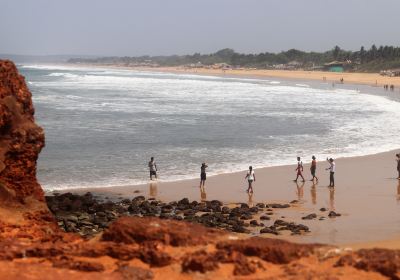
column 152, row 168
column 332, row 168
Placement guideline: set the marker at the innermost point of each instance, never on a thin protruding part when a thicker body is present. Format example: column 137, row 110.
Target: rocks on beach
column 310, row 217
column 86, row 215
column 333, row 214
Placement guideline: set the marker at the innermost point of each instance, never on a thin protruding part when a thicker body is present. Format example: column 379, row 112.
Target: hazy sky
column 123, row 27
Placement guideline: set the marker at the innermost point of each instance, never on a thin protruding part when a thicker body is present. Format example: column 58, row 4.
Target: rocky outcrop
column 23, row 212
column 21, row 140
column 32, row 245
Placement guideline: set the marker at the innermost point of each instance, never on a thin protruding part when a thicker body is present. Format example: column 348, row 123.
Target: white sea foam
column 65, row 75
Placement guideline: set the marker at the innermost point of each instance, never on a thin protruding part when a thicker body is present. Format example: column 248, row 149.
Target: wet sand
column 367, row 194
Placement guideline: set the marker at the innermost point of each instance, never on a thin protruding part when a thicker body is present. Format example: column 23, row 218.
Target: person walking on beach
column 299, row 170
column 203, row 175
column 251, row 177
column 331, row 168
column 313, row 168
column 152, row 168
column 398, row 165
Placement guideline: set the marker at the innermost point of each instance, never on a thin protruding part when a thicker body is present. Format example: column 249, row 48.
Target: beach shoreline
column 356, row 78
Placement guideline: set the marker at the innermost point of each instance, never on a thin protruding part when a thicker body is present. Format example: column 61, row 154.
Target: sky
column 165, row 27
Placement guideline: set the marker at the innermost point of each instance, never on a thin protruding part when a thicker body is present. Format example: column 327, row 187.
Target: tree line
column 368, row 60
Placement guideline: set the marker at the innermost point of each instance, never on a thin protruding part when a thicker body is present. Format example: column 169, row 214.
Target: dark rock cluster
column 86, row 215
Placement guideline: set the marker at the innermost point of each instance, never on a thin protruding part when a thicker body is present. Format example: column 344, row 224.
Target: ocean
column 102, row 125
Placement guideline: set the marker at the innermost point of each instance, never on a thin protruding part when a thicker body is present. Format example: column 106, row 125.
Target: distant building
column 337, row 66
column 391, row 72
column 194, row 65
column 224, row 66
column 292, row 65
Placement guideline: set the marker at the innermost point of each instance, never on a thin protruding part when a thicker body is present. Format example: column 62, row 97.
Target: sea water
column 103, row 125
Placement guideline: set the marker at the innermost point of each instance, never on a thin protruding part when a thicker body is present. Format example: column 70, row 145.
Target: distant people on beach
column 386, row 87
column 152, row 168
column 332, row 169
column 203, row 175
column 398, row 165
column 313, row 168
column 299, row 169
column 341, row 80
column 251, row 177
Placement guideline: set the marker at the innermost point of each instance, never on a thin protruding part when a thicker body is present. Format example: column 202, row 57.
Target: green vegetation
column 372, row 60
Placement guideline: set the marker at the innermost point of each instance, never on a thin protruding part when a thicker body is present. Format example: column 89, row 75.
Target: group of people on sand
column 251, row 177
column 332, row 168
column 153, row 171
column 386, row 87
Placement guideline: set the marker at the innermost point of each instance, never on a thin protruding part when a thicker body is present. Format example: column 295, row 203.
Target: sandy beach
column 367, row 194
column 373, row 79
column 357, row 78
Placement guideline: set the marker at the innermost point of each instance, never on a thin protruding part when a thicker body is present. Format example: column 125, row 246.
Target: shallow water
column 103, row 125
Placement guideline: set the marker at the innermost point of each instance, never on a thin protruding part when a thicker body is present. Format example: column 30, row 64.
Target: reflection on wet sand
column 314, row 193
column 300, row 191
column 203, row 195
column 332, row 198
column 398, row 191
column 153, row 189
column 250, row 202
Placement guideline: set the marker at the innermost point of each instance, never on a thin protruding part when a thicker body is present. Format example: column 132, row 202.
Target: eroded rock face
column 384, row 261
column 23, row 212
column 130, row 230
column 21, row 140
